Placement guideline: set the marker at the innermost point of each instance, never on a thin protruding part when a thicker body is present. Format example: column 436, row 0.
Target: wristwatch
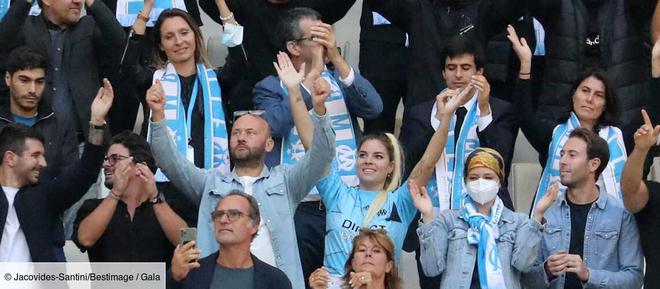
column 157, row 199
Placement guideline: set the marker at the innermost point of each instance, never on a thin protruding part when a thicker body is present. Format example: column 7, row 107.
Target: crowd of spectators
column 285, row 161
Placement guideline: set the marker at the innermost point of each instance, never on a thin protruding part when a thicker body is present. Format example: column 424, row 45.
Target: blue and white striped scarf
column 609, row 180
column 484, row 232
column 127, row 10
column 449, row 168
column 346, row 142
column 216, row 153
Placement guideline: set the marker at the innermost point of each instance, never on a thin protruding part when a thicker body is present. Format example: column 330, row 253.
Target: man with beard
column 590, row 240
column 30, row 207
column 277, row 190
column 133, row 223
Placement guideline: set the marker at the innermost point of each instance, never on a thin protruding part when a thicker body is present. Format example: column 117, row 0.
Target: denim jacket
column 612, row 251
column 278, row 191
column 445, row 249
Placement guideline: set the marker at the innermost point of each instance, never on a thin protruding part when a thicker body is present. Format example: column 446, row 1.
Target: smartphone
column 187, row 234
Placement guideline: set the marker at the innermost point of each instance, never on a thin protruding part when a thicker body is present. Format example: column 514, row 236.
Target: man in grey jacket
column 278, row 190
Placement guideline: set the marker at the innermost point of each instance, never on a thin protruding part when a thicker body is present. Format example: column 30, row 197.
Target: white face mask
column 482, row 191
column 232, row 34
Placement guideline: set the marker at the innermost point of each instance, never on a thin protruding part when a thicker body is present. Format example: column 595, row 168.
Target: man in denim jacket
column 589, row 240
column 278, row 190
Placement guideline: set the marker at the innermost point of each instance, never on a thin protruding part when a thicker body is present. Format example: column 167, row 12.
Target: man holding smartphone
column 133, row 223
column 236, row 222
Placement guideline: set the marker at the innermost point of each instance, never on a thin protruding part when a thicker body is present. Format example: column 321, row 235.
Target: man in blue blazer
column 310, row 44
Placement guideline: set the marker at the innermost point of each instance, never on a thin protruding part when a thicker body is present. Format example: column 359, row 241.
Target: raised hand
column 326, row 37
column 156, row 101
column 360, row 280
column 441, row 102
column 287, row 72
column 319, row 279
column 547, row 201
column 520, row 46
column 102, row 103
column 647, row 135
column 421, row 200
column 184, row 259
column 320, row 91
column 481, row 84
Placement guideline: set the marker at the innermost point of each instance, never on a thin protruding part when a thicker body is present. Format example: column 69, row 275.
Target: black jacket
column 39, row 206
column 61, row 142
column 265, row 276
column 91, row 46
column 623, row 54
column 430, row 23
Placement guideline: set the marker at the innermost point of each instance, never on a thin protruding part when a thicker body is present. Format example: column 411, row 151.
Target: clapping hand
column 102, row 103
column 319, row 279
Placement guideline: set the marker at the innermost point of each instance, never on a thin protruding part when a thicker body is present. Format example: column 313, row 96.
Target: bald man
column 277, row 191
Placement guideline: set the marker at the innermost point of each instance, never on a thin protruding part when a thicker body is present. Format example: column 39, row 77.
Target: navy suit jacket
column 265, row 276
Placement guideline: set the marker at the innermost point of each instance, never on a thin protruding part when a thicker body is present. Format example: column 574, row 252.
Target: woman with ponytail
column 380, row 200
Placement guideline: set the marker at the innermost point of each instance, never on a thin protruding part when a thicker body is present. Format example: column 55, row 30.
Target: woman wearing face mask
column 179, row 71
column 485, row 238
column 593, row 106
column 370, row 265
column 379, row 200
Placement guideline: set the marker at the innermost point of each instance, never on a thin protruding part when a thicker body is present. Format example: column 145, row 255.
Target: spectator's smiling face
column 589, row 100
column 63, row 12
column 116, row 153
column 28, row 164
column 25, row 88
column 458, row 71
column 374, row 165
column 177, row 40
column 574, row 165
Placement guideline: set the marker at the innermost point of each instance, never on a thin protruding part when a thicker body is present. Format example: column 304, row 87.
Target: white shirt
column 13, row 246
column 261, row 246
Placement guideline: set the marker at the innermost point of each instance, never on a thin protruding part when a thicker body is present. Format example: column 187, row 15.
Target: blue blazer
column 265, row 276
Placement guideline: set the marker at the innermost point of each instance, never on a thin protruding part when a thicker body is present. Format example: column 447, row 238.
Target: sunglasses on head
column 256, row 112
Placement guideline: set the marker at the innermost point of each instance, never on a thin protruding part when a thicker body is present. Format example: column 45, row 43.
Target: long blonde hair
column 393, row 180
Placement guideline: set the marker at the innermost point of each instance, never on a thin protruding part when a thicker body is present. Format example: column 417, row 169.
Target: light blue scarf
column 346, row 142
column 483, row 232
column 449, row 168
column 127, row 10
column 609, row 180
column 178, row 121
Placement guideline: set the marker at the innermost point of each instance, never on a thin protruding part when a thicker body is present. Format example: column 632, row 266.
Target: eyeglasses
column 256, row 112
column 231, row 214
column 310, row 38
column 114, row 158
